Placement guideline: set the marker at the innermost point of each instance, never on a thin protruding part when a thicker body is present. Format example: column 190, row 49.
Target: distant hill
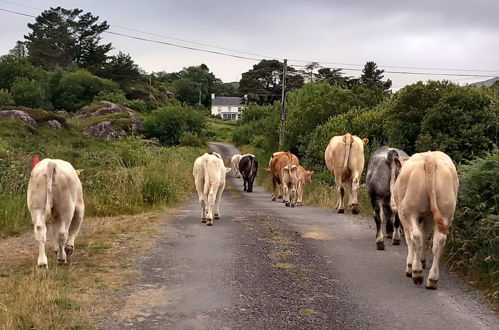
column 487, row 83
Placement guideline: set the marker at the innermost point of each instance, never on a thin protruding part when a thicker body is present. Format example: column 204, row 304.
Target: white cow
column 55, row 201
column 209, row 175
column 235, row 164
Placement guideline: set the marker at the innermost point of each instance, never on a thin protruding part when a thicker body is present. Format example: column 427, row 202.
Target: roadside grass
column 127, row 176
column 220, row 130
column 80, row 294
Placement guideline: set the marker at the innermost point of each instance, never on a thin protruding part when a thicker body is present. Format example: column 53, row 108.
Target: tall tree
column 263, row 83
column 19, row 50
column 335, row 77
column 61, row 36
column 373, row 76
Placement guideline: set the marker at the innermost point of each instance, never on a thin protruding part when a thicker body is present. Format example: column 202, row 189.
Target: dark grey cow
column 248, row 167
column 381, row 175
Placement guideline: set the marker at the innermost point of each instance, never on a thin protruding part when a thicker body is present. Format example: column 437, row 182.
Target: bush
column 30, row 93
column 259, row 124
column 189, row 139
column 12, row 67
column 6, row 98
column 167, row 124
column 118, row 97
column 77, row 89
column 473, row 245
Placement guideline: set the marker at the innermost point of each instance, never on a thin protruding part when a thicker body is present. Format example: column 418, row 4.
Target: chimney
column 212, row 96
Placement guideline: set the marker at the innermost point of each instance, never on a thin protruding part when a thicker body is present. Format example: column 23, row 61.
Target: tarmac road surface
column 266, row 266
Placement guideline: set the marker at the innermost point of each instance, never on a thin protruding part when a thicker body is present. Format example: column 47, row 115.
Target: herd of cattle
column 420, row 190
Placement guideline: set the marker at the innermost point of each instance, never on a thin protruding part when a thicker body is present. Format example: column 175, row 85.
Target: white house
column 226, row 107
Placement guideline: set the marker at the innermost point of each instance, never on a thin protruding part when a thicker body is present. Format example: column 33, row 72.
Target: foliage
column 473, row 245
column 189, row 139
column 461, row 121
column 61, row 36
column 263, row 83
column 6, row 98
column 259, row 126
column 77, row 89
column 29, row 93
column 372, row 76
column 12, row 67
column 167, row 124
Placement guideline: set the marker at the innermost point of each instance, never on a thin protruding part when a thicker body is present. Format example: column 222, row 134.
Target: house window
column 219, row 109
column 239, row 109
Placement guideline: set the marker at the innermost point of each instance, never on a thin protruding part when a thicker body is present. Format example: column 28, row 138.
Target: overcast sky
column 446, row 34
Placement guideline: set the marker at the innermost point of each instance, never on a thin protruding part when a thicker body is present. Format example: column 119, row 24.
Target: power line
column 181, row 46
column 258, row 59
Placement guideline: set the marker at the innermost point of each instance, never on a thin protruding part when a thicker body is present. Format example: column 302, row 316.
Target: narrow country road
column 265, row 266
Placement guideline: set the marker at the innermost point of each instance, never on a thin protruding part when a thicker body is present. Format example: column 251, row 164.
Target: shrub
column 167, row 124
column 29, row 93
column 473, row 245
column 259, row 124
column 6, row 98
column 12, row 67
column 77, row 89
column 156, row 190
column 189, row 139
column 118, row 97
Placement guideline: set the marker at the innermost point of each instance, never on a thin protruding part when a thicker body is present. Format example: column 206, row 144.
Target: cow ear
column 365, row 140
column 79, row 171
column 227, row 169
column 397, row 162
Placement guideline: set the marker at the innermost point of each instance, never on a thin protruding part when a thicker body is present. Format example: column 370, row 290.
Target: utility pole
column 283, row 106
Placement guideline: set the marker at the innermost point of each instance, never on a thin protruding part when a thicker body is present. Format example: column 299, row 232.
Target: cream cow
column 209, row 176
column 294, row 178
column 425, row 196
column 55, row 202
column 235, row 164
column 344, row 158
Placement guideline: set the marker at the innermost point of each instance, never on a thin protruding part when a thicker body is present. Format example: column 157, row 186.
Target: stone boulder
column 54, row 124
column 18, row 114
column 106, row 129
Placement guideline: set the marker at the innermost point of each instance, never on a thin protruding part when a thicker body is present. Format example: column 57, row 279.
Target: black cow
column 248, row 167
column 381, row 175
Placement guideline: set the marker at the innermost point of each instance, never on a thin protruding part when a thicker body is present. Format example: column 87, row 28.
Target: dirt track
column 265, row 266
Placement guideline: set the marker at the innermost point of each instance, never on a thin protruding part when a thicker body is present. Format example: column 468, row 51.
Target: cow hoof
column 69, row 250
column 62, row 261
column 408, row 274
column 355, row 211
column 293, row 205
column 395, row 242
column 203, row 220
column 299, row 204
column 389, row 235
column 279, row 197
column 423, row 263
column 216, row 217
column 287, row 204
column 273, row 199
column 380, row 245
column 432, row 284
column 417, row 277
column 209, row 223
column 341, row 211
column 42, row 266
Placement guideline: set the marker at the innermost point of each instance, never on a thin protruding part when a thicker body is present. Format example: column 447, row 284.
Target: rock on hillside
column 107, row 120
column 34, row 117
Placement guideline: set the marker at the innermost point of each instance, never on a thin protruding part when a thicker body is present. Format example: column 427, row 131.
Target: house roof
column 226, row 100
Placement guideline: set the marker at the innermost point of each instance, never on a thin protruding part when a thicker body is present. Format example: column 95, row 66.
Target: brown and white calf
column 425, row 196
column 209, row 176
column 277, row 161
column 55, row 202
column 294, row 178
column 344, row 158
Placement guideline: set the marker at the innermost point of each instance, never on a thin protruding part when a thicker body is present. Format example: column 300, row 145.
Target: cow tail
column 206, row 186
column 348, row 144
column 50, row 195
column 430, row 169
column 393, row 168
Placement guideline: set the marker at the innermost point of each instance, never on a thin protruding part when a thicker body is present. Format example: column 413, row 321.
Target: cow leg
column 212, row 195
column 41, row 237
column 250, row 184
column 299, row 192
column 396, row 232
column 292, row 197
column 417, row 247
column 279, row 191
column 285, row 193
column 62, row 237
column 244, row 184
column 274, row 187
column 74, row 229
column 217, row 201
column 353, row 201
column 439, row 240
column 380, row 240
column 387, row 212
column 410, row 252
